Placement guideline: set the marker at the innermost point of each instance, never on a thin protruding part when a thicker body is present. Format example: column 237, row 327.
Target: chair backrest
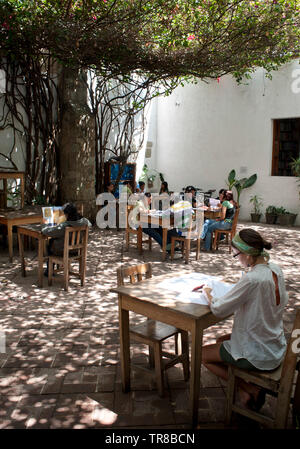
column 76, row 239
column 290, row 359
column 129, row 208
column 197, row 225
column 235, row 221
column 135, row 273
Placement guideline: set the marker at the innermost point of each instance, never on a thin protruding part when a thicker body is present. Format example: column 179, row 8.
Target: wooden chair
column 229, row 232
column 278, row 382
column 75, row 248
column 154, row 333
column 193, row 233
column 130, row 231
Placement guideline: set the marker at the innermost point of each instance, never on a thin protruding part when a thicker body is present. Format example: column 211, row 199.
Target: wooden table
column 11, row 217
column 35, row 231
column 166, row 223
column 148, row 299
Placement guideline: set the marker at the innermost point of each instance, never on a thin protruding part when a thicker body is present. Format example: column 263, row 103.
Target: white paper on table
column 186, row 283
column 213, row 202
column 193, row 297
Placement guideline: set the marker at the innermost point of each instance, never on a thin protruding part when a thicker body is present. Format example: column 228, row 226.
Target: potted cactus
column 271, row 214
column 256, row 211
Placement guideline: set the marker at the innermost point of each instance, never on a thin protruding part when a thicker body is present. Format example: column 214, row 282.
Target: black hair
column 165, row 188
column 189, row 189
column 148, row 194
column 71, row 212
column 222, row 191
column 141, row 183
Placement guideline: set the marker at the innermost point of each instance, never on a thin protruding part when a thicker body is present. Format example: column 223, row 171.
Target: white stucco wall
column 202, row 131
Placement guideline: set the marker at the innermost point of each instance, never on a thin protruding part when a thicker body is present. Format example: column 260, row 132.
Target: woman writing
column 257, row 340
column 224, row 222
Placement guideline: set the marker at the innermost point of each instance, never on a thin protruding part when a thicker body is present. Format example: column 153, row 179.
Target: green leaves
column 170, row 38
column 240, row 184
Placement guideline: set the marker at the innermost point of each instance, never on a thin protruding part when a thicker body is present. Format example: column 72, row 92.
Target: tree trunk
column 77, row 144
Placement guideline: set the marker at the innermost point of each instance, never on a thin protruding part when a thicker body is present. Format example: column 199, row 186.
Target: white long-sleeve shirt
column 257, row 333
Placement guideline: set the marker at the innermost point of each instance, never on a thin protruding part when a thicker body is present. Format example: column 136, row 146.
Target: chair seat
column 265, row 379
column 153, row 330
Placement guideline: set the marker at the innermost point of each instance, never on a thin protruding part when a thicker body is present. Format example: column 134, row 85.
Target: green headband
column 244, row 248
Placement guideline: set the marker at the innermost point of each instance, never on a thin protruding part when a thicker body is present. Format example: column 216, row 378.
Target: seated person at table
column 141, row 188
column 164, row 188
column 221, row 196
column 57, row 233
column 190, row 195
column 257, row 341
column 126, row 188
column 110, row 187
column 224, row 222
column 182, row 212
column 163, row 203
column 143, row 206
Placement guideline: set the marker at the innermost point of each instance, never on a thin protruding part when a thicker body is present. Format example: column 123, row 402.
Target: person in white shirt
column 142, row 206
column 257, row 340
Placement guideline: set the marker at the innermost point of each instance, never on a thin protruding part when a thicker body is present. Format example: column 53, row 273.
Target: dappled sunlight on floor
column 61, row 364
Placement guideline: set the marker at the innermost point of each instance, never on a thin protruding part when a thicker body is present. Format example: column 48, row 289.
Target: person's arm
column 223, row 213
column 238, row 295
column 54, row 231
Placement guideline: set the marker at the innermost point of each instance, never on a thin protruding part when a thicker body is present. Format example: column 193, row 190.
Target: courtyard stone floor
column 60, row 364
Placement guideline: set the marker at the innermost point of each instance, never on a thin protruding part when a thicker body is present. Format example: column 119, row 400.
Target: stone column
column 77, row 144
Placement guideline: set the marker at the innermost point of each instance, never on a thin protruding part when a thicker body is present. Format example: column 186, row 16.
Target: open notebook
column 185, row 284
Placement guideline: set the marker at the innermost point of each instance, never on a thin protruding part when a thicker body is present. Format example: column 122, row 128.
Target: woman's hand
column 208, row 291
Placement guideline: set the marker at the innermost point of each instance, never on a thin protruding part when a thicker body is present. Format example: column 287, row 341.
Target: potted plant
column 256, row 203
column 271, row 214
column 285, row 218
column 240, row 184
column 149, row 176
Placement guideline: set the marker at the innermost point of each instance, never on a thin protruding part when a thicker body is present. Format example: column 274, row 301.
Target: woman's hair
column 222, row 191
column 71, row 212
column 148, row 195
column 254, row 239
column 164, row 187
column 229, row 197
column 109, row 184
column 141, row 183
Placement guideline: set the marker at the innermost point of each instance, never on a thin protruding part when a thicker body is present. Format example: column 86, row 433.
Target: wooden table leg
column 21, row 252
column 124, row 346
column 196, row 356
column 164, row 243
column 140, row 239
column 40, row 262
column 187, row 250
column 10, row 241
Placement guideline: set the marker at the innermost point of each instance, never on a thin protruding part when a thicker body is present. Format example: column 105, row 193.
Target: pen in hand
column 196, row 289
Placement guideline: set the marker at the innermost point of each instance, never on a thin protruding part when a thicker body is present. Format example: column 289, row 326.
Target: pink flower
column 94, row 17
column 191, row 37
column 218, row 79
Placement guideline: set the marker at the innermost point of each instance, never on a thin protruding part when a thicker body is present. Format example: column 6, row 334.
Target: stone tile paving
column 61, row 369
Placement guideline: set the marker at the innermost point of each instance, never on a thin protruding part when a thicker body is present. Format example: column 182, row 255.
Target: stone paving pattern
column 61, row 368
